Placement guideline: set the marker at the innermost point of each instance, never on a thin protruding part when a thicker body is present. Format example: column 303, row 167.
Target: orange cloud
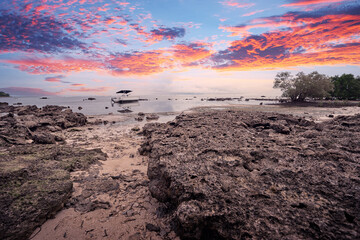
column 297, row 3
column 188, row 53
column 313, row 40
column 139, row 63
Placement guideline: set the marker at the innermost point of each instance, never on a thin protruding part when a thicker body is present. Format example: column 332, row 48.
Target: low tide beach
column 124, row 195
column 179, row 120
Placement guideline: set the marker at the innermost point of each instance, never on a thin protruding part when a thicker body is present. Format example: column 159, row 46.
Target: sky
column 97, row 47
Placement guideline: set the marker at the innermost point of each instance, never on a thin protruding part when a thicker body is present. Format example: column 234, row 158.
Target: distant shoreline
column 321, row 103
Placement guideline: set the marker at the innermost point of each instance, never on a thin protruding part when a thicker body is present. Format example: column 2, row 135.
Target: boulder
column 239, row 175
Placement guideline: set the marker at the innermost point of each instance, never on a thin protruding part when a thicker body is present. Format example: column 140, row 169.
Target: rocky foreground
column 35, row 165
column 243, row 175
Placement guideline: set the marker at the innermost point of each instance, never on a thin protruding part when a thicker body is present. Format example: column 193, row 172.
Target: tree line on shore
column 317, row 86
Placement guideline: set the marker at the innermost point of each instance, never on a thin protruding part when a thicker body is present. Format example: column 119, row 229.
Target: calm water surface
column 103, row 105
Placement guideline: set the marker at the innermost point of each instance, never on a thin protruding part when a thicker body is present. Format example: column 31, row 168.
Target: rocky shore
column 209, row 174
column 256, row 175
column 35, row 165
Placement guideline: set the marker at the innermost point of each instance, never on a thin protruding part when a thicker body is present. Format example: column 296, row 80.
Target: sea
column 149, row 104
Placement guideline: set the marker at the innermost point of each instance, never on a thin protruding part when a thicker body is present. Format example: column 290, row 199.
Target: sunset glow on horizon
column 85, row 47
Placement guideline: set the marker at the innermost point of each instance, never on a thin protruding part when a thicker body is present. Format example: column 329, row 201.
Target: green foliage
column 2, row 94
column 346, row 87
column 301, row 86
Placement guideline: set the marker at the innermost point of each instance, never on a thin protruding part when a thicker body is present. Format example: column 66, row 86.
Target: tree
column 346, row 87
column 313, row 85
column 3, row 94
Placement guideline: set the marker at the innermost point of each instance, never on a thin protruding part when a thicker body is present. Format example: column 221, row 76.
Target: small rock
column 124, row 111
column 44, row 138
column 152, row 227
column 152, row 117
column 135, row 129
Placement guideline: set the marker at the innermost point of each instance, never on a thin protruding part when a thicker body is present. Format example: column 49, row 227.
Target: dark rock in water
column 43, row 98
column 91, row 98
column 139, row 118
column 141, row 114
column 152, row 116
column 239, row 175
column 126, row 110
column 80, row 108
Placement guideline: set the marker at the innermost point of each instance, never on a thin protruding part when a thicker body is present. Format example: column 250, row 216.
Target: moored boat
column 125, row 97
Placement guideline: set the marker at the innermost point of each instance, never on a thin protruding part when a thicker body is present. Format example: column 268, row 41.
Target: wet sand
column 112, row 200
column 121, row 212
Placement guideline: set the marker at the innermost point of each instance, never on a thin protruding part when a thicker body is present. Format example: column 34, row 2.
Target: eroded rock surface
column 242, row 175
column 24, row 124
column 35, row 166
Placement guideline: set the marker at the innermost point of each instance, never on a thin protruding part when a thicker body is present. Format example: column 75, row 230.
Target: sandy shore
column 112, row 200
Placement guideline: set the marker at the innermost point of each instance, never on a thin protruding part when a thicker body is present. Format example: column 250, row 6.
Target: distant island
column 3, row 94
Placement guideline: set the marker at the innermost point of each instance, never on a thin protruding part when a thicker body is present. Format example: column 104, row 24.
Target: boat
column 125, row 97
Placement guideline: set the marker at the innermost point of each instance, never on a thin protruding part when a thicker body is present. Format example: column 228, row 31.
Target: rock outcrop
column 241, row 175
column 35, row 177
column 24, row 124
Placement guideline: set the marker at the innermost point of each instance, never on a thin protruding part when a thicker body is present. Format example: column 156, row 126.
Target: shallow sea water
column 102, row 104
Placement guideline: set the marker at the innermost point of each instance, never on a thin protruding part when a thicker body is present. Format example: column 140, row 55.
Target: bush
column 302, row 86
column 346, row 87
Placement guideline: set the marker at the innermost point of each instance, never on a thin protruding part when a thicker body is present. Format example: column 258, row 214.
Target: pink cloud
column 51, row 66
column 97, row 80
column 252, row 13
column 55, row 78
column 234, row 3
column 24, row 91
column 83, row 89
column 298, row 3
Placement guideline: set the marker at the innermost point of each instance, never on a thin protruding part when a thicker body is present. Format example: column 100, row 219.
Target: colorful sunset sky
column 96, row 47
